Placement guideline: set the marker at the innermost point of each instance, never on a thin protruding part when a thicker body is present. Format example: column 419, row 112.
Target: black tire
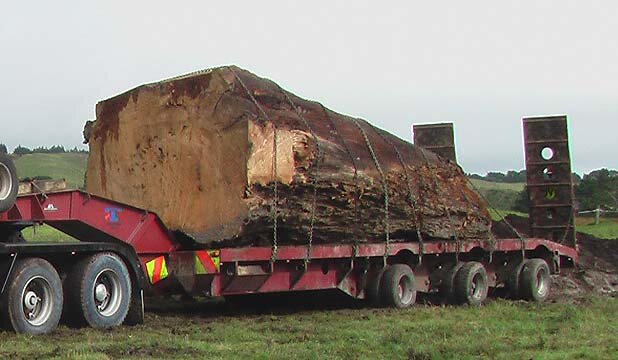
column 446, row 288
column 372, row 290
column 471, row 284
column 398, row 286
column 9, row 183
column 32, row 303
column 535, row 280
column 98, row 291
column 512, row 282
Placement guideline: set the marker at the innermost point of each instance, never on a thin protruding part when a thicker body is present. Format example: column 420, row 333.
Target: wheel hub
column 405, row 290
column 37, row 300
column 107, row 292
column 541, row 283
column 31, row 300
column 477, row 287
column 101, row 292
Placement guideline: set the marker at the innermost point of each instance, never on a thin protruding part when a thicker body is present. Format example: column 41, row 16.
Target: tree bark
column 205, row 151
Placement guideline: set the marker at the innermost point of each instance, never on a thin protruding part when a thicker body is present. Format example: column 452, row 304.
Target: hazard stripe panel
column 207, row 262
column 157, row 269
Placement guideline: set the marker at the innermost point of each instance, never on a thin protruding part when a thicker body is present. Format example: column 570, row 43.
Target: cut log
column 199, row 150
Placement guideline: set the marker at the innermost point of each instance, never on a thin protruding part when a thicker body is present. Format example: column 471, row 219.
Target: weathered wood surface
column 199, row 151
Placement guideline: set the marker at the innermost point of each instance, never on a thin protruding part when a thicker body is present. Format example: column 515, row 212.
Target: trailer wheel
column 100, row 288
column 471, row 284
column 447, row 283
column 398, row 286
column 9, row 184
column 32, row 303
column 513, row 281
column 372, row 290
column 535, row 281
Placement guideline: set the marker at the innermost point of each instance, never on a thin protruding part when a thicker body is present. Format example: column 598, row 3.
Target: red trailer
column 124, row 252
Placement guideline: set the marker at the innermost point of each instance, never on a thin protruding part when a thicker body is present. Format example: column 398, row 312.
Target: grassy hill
column 69, row 166
column 500, row 195
column 489, row 185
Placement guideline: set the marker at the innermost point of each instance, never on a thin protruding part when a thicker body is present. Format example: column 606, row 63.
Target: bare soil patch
column 596, row 271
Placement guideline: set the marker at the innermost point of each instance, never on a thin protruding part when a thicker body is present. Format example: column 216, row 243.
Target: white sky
column 480, row 64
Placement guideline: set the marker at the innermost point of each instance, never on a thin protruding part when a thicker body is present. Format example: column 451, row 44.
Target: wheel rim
column 541, row 282
column 405, row 290
column 107, row 292
column 37, row 301
column 477, row 287
column 6, row 182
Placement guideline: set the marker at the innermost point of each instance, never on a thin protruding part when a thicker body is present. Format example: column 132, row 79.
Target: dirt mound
column 596, row 271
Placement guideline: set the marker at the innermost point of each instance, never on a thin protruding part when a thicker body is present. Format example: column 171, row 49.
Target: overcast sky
column 480, row 64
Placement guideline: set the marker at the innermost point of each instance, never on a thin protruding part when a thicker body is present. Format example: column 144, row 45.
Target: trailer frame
column 159, row 261
column 140, row 237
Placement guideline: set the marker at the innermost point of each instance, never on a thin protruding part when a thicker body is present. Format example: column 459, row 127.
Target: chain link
column 448, row 212
column 490, row 236
column 313, row 176
column 274, row 206
column 511, row 227
column 384, row 187
column 411, row 199
column 355, row 179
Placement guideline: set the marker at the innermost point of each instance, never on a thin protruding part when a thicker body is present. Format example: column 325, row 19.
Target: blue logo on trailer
column 112, row 215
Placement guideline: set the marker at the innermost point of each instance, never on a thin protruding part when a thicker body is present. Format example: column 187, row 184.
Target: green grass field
column 69, row 166
column 499, row 195
column 499, row 330
column 606, row 229
column 488, row 185
column 497, row 214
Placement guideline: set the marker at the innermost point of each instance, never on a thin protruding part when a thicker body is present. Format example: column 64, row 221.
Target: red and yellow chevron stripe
column 157, row 269
column 207, row 262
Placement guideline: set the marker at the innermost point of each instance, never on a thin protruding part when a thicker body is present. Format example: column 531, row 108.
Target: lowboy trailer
column 124, row 252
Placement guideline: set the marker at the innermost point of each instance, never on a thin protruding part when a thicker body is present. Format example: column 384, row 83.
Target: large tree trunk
column 199, row 151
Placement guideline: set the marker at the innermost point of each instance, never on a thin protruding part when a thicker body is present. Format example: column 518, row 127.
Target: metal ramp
column 437, row 138
column 549, row 182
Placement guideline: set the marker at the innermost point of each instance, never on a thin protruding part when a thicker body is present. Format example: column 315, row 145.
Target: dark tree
column 598, row 189
column 522, row 202
column 21, row 150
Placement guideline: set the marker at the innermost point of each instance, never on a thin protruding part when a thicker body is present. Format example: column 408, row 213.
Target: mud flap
column 136, row 310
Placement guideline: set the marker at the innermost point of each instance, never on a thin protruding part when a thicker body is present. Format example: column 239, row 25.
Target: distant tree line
column 511, row 177
column 597, row 189
column 55, row 149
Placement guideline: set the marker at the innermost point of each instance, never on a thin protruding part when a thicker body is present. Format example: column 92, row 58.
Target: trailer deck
column 141, row 238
